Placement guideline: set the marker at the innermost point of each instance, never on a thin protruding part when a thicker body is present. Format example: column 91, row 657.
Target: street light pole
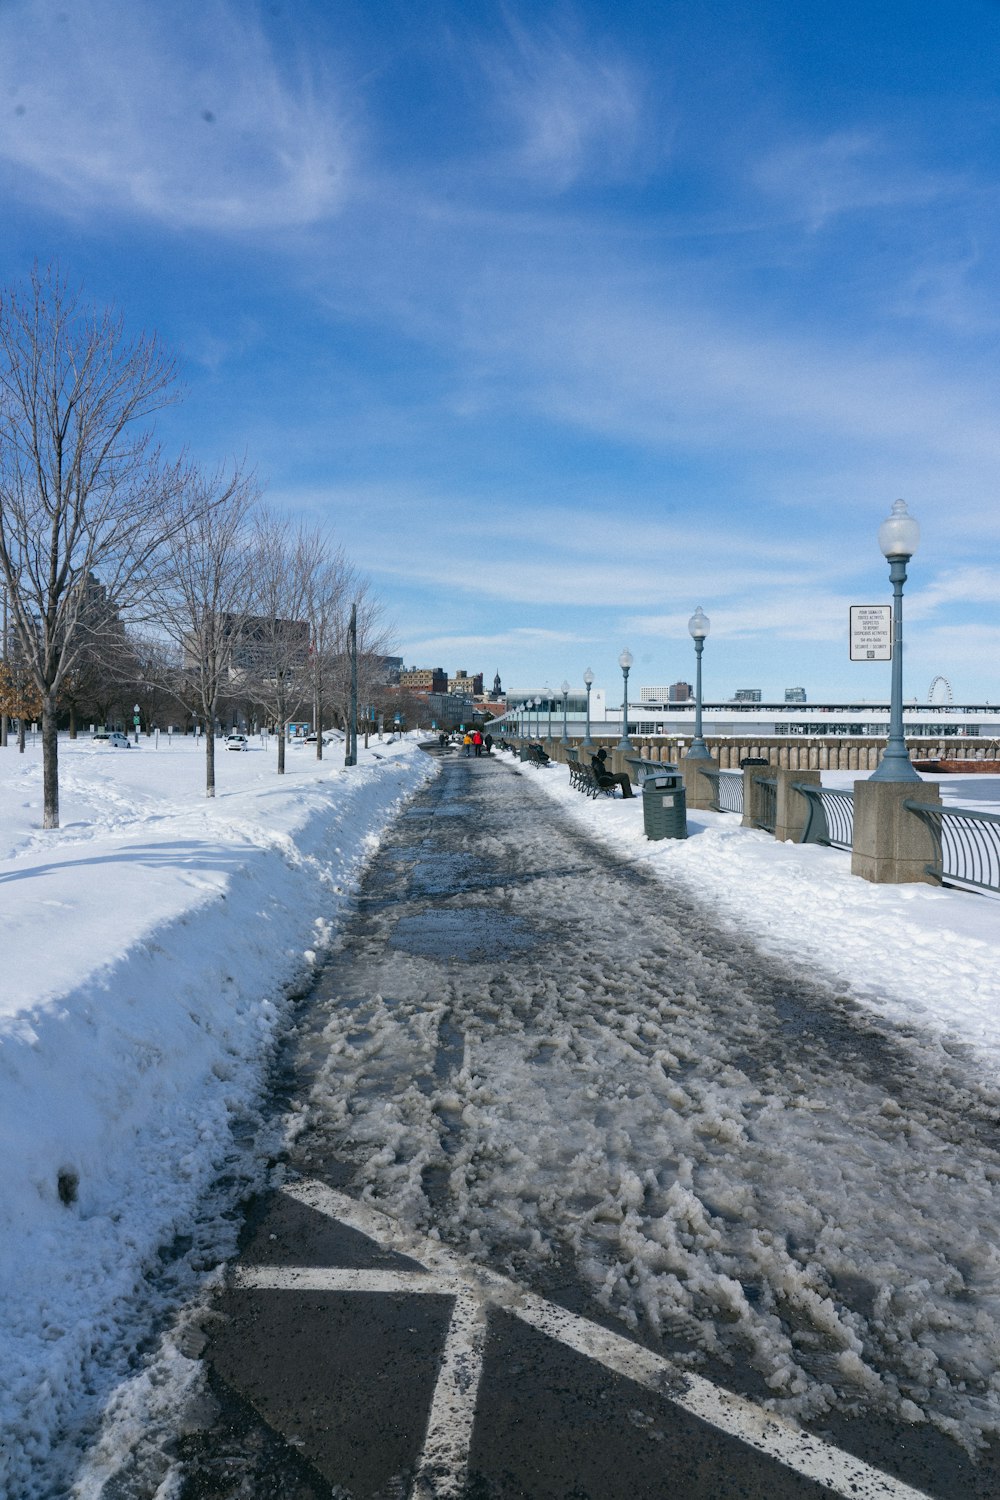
column 548, row 699
column 565, row 693
column 625, row 661
column 351, row 737
column 588, row 679
column 698, row 627
column 898, row 537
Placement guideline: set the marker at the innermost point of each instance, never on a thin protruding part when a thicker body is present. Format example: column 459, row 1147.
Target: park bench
column 536, row 756
column 583, row 776
column 641, row 769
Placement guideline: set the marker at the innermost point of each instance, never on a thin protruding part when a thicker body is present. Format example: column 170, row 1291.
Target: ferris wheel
column 940, row 691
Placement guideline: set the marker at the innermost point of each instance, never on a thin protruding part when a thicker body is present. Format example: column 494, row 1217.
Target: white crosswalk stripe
column 444, row 1461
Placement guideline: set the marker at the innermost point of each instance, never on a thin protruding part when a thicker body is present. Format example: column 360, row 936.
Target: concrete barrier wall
column 838, row 753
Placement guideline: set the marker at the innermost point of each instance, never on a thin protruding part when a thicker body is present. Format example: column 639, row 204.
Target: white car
column 117, row 741
column 236, row 741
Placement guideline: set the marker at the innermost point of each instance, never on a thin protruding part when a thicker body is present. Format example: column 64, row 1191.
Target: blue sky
column 567, row 318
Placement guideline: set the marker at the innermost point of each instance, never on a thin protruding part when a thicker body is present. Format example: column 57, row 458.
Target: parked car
column 116, row 740
column 236, row 741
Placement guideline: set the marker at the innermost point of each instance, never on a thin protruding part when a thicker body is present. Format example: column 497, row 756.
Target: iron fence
column 727, row 790
column 766, row 799
column 966, row 844
column 831, row 816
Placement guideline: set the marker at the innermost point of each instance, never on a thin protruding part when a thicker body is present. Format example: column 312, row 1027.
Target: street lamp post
column 625, row 661
column 538, row 716
column 548, row 699
column 898, row 537
column 565, row 693
column 135, row 721
column 698, row 626
column 351, row 737
column 588, row 680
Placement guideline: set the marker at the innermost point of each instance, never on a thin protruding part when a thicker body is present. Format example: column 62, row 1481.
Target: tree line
column 125, row 571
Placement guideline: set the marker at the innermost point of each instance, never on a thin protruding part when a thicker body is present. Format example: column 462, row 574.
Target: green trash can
column 664, row 805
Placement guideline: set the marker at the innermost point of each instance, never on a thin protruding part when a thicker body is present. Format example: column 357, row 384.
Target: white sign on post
column 871, row 632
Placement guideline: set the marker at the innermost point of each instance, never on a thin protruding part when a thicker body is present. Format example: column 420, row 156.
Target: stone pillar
column 891, row 845
column 793, row 809
column 751, row 792
column 698, row 792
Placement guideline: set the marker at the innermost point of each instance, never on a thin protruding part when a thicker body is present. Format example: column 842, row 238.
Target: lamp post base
column 895, row 765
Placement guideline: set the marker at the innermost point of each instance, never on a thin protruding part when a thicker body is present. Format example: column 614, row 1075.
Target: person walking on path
column 477, row 743
column 467, row 742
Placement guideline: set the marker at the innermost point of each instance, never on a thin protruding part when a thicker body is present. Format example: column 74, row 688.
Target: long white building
column 741, row 721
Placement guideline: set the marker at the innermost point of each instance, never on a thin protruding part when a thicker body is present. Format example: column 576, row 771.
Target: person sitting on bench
column 599, row 763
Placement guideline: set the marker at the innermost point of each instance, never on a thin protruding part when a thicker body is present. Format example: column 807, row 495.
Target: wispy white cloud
column 575, row 109
column 847, row 171
column 478, row 646
column 954, row 589
column 186, row 118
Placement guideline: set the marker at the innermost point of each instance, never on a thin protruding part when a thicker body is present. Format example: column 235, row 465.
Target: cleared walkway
column 579, row 1183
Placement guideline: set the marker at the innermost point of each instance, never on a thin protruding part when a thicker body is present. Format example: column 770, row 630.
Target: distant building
column 255, row 643
column 747, row 695
column 497, row 694
column 423, row 680
column 680, row 692
column 795, row 695
column 391, row 666
column 465, row 686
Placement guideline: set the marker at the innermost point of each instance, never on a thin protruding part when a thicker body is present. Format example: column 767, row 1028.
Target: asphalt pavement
column 358, row 1355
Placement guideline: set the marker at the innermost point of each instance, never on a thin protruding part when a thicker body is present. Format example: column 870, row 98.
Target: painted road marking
column 444, row 1461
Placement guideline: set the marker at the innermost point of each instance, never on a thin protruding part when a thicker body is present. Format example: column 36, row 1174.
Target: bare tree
column 83, row 492
column 282, row 560
column 328, row 580
column 374, row 642
column 205, row 597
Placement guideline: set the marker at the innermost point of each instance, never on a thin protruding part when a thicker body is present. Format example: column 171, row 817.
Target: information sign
column 871, row 632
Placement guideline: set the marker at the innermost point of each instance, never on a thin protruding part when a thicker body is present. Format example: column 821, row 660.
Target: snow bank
column 150, row 946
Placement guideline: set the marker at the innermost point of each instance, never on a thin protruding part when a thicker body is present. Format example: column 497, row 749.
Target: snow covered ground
column 152, row 946
column 149, row 946
column 915, row 953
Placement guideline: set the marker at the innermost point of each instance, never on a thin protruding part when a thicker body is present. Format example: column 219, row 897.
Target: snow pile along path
column 149, row 945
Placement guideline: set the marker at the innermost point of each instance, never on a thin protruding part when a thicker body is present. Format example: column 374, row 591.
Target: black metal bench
column 587, row 780
column 535, row 755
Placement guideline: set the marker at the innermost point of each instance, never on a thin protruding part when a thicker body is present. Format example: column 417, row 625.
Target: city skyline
column 566, row 323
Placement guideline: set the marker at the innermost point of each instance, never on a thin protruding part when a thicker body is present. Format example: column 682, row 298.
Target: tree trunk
column 72, row 721
column 209, row 759
column 50, row 763
column 319, row 727
column 20, row 735
column 282, row 732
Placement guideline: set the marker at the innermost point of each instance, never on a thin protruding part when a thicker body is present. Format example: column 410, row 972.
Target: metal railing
column 966, row 844
column 831, row 816
column 766, row 798
column 727, row 790
column 641, row 769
